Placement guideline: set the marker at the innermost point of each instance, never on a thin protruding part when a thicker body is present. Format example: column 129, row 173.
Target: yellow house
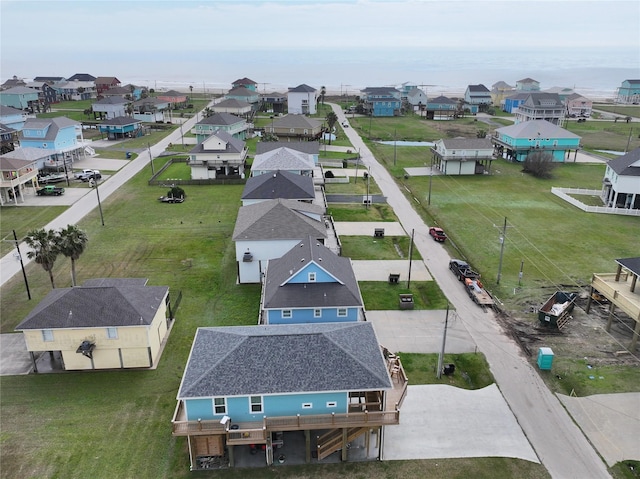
column 103, row 324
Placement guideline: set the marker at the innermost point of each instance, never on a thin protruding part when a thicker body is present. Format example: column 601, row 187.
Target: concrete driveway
column 14, row 358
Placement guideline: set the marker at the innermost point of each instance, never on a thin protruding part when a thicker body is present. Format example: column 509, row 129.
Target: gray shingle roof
column 120, row 121
column 19, row 90
column 442, row 100
column 342, row 292
column 533, row 128
column 309, row 147
column 280, row 359
column 9, row 111
column 296, row 121
column 480, row 88
column 627, row 165
column 221, row 119
column 281, row 184
column 112, row 303
column 283, row 159
column 28, row 153
column 112, row 100
column 632, row 264
column 242, row 91
column 12, row 164
column 231, row 103
column 542, row 99
column 55, row 125
column 234, row 145
column 468, row 143
column 278, row 220
column 304, row 88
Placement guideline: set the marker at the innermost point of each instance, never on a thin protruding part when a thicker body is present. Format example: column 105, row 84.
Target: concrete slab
column 610, row 421
column 420, row 331
column 367, row 228
column 439, row 421
column 100, row 163
column 70, row 196
column 379, row 270
column 14, row 358
column 421, row 171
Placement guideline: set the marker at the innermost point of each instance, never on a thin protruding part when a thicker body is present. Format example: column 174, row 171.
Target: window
column 312, row 277
column 256, row 403
column 317, row 313
column 307, row 405
column 47, row 335
column 342, row 312
column 286, row 313
column 112, row 333
column 332, row 404
column 219, row 406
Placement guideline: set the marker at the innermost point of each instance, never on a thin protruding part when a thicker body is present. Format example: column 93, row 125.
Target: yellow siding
column 135, row 358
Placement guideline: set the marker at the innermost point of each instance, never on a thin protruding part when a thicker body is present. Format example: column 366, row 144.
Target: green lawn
column 382, row 296
column 370, row 247
column 472, row 369
column 23, row 219
column 354, row 187
column 376, row 212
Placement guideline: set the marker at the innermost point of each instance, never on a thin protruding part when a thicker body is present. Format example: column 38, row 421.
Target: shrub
column 539, row 164
column 176, row 192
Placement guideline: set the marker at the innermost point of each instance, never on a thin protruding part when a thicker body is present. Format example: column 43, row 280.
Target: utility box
column 378, row 233
column 394, row 278
column 406, row 301
column 545, row 359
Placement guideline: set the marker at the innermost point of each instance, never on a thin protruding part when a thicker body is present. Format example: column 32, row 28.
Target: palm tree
column 331, row 118
column 72, row 243
column 44, row 244
column 323, row 92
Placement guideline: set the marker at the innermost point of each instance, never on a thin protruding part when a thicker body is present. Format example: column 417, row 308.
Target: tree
column 191, row 88
column 72, row 242
column 207, row 112
column 481, row 133
column 331, row 118
column 44, row 245
column 323, row 92
column 539, row 164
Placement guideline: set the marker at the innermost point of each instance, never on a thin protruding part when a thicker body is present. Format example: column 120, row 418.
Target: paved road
column 558, row 442
column 9, row 264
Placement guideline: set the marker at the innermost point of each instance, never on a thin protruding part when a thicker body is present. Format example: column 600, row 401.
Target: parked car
column 171, row 199
column 437, row 234
column 50, row 190
column 86, row 175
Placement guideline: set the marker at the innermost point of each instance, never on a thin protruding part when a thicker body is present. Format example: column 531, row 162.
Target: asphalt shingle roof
column 304, row 88
column 627, row 165
column 468, row 143
column 111, row 303
column 54, row 126
column 221, row 119
column 309, row 147
column 283, row 159
column 342, row 292
column 120, row 121
column 281, row 359
column 280, row 184
column 296, row 121
column 533, row 128
column 27, row 153
column 231, row 103
column 278, row 219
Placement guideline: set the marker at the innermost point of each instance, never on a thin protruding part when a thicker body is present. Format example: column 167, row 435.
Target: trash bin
column 545, row 359
column 128, row 155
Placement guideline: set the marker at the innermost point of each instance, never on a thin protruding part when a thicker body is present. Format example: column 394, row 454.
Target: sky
column 58, row 37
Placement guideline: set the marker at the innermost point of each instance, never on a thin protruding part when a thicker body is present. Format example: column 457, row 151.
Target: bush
column 539, row 164
column 329, row 174
column 176, row 192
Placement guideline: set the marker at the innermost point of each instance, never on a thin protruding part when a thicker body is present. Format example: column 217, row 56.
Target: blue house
column 20, row 97
column 629, row 92
column 381, row 101
column 244, row 94
column 310, row 284
column 12, row 117
column 478, row 96
column 246, row 83
column 232, row 124
column 121, row 127
column 248, row 386
column 516, row 142
column 512, row 102
column 58, row 135
column 441, row 108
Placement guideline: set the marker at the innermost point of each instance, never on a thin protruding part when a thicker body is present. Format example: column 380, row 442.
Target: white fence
column 564, row 193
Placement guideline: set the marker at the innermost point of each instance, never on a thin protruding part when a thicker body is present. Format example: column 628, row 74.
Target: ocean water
column 595, row 73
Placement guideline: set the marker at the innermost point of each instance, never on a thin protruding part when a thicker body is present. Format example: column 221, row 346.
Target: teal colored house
column 629, row 92
column 381, row 101
column 12, row 117
column 251, row 387
column 441, row 107
column 121, row 127
column 515, row 142
column 244, row 94
column 310, row 284
column 234, row 125
column 19, row 97
column 246, row 83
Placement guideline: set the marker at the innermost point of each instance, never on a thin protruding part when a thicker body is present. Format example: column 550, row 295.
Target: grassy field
column 382, row 296
column 23, row 219
column 387, row 248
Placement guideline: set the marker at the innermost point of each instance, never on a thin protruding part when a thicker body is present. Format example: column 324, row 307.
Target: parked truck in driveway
column 50, row 190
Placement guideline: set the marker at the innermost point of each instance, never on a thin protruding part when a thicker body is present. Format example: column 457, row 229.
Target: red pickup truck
column 438, row 234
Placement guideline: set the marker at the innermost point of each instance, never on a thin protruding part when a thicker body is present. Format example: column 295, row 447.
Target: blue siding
column 329, row 315
column 302, row 276
column 199, row 409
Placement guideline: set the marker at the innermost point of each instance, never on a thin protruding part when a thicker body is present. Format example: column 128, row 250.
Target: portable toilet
column 545, row 358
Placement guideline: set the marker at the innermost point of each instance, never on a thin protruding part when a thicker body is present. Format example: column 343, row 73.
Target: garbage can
column 128, row 155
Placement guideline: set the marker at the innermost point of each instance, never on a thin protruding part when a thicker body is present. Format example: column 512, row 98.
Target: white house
column 302, row 100
column 463, row 156
column 220, row 155
column 621, row 184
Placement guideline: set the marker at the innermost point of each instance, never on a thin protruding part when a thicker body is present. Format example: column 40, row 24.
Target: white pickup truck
column 86, row 175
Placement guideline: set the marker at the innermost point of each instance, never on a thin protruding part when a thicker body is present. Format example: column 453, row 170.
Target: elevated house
column 104, row 83
column 309, row 147
column 381, row 101
column 499, row 91
column 12, row 117
column 629, row 92
column 174, row 98
column 12, row 82
column 51, row 80
column 21, row 98
column 60, row 136
column 441, row 108
column 302, row 100
column 104, row 324
column 39, row 158
column 516, row 142
column 119, row 91
column 246, row 83
column 298, row 127
column 314, row 387
column 279, row 184
column 8, row 139
column 479, row 96
column 621, row 183
column 528, row 84
column 83, row 77
column 578, row 106
column 232, row 124
column 310, row 284
column 150, row 110
column 219, row 156
column 269, row 229
column 47, row 93
column 274, row 102
column 245, row 95
column 17, row 174
column 121, row 127
column 232, row 106
column 283, row 159
column 76, row 90
column 512, row 102
column 541, row 106
column 622, row 291
column 417, row 99
column 463, row 156
column 111, row 107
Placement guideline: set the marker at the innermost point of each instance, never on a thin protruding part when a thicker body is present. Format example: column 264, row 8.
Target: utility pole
column 430, row 182
column 444, row 340
column 503, row 238
column 153, row 172
column 95, row 182
column 395, row 155
column 357, row 163
column 24, row 273
column 410, row 258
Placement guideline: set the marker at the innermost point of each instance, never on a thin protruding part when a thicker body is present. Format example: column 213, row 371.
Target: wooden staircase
column 331, row 441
